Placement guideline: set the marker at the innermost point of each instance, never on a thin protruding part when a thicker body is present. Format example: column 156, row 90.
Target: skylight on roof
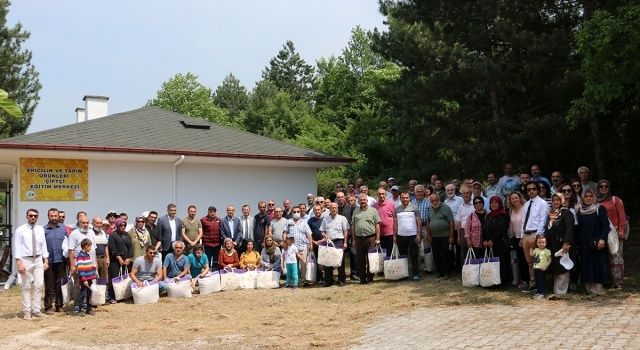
column 195, row 124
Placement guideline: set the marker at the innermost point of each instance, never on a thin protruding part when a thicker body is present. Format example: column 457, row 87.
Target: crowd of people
column 525, row 219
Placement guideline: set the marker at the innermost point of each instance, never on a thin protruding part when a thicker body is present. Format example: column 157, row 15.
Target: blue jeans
column 539, row 275
column 292, row 274
column 83, row 300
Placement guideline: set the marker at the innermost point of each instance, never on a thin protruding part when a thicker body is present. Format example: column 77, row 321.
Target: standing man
column 32, row 259
column 277, row 227
column 585, row 179
column 387, row 213
column 395, row 195
column 370, row 200
column 536, row 175
column 346, row 209
column 477, row 192
column 407, row 230
column 315, row 224
column 260, row 224
column 231, row 227
column 301, row 233
column 75, row 247
column 524, row 180
column 440, row 229
column 556, row 180
column 286, row 209
column 191, row 232
column 460, row 218
column 536, row 212
column 211, row 235
column 509, row 182
column 169, row 229
column 493, row 189
column 310, row 198
column 55, row 233
column 412, row 186
column 440, row 190
column 151, row 226
column 335, row 228
column 366, row 231
column 102, row 248
column 246, row 224
column 61, row 216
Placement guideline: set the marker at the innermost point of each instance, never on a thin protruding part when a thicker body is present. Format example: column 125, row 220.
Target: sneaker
column 416, row 278
column 27, row 316
column 538, row 296
column 112, row 301
column 38, row 315
column 528, row 289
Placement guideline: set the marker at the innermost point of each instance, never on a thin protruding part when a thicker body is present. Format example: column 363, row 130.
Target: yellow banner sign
column 45, row 179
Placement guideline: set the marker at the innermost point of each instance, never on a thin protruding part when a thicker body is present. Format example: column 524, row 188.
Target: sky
column 126, row 49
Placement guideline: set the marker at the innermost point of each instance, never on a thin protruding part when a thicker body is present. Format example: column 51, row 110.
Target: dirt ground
column 308, row 317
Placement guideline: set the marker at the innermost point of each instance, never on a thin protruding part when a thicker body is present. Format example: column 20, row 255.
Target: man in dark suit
column 168, row 228
column 232, row 227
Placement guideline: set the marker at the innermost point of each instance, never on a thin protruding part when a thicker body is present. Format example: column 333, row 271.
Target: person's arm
column 186, row 239
column 395, row 227
column 345, row 232
column 621, row 215
column 134, row 276
column 199, row 236
column 185, row 271
column 164, row 272
column 159, row 274
column 545, row 218
column 419, row 225
column 205, row 269
column 243, row 263
column 377, row 233
column 452, row 229
column 72, row 255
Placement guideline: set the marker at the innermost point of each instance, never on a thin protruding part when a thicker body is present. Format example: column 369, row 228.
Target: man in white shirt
column 32, row 258
column 536, row 212
column 465, row 209
column 407, row 230
column 246, row 223
column 454, row 202
column 335, row 228
column 75, row 238
column 370, row 200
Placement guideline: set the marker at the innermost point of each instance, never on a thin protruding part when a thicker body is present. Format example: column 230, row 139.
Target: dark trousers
column 84, row 296
column 353, row 262
column 523, row 268
column 409, row 243
column 52, row 285
column 114, row 271
column 441, row 256
column 319, row 274
column 362, row 250
column 212, row 255
column 539, row 275
column 386, row 242
column 328, row 270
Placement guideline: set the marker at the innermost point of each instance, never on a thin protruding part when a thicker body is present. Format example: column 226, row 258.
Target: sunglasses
column 140, row 221
column 151, row 253
column 122, row 225
column 33, row 215
column 271, row 204
column 604, row 186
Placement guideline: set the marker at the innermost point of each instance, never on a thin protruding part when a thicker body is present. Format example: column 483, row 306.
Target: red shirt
column 386, row 211
column 224, row 259
column 210, row 231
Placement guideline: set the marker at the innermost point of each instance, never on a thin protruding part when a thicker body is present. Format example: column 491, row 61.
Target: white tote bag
column 210, row 283
column 612, row 239
column 248, row 278
column 268, row 279
column 67, row 289
column 229, row 279
column 376, row 259
column 490, row 269
column 147, row 294
column 180, row 289
column 122, row 285
column 312, row 269
column 396, row 267
column 471, row 270
column 99, row 295
column 329, row 255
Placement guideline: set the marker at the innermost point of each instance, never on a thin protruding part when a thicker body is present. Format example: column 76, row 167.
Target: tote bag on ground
column 490, row 269
column 99, row 296
column 471, row 270
column 122, row 285
column 312, row 269
column 376, row 259
column 67, row 289
column 248, row 278
column 147, row 294
column 268, row 279
column 229, row 279
column 395, row 266
column 210, row 283
column 179, row 289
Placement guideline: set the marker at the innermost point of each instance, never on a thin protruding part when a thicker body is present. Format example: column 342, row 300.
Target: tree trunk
column 597, row 145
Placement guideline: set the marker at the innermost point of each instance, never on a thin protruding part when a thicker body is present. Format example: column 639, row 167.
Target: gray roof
column 155, row 130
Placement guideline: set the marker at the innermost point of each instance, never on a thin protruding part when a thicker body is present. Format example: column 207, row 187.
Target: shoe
column 538, row 296
column 112, row 301
column 59, row 309
column 48, row 312
column 528, row 289
column 354, row 278
column 416, row 278
column 82, row 313
column 328, row 285
column 341, row 284
column 27, row 316
column 38, row 315
column 91, row 312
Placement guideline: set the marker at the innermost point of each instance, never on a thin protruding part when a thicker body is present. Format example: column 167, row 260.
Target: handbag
column 376, row 259
column 312, row 269
column 428, row 259
column 490, row 269
column 471, row 270
column 179, row 289
column 229, row 279
column 99, row 296
column 147, row 294
column 67, row 288
column 210, row 283
column 248, row 278
column 612, row 239
column 268, row 279
column 122, row 285
column 329, row 255
column 395, row 266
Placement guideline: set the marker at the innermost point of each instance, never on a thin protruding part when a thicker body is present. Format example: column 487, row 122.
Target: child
column 291, row 257
column 87, row 276
column 541, row 261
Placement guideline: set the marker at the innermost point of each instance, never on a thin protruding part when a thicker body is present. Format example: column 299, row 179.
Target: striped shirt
column 299, row 231
column 86, row 269
column 423, row 207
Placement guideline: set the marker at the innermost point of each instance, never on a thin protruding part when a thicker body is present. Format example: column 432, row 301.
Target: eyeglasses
column 140, row 221
column 604, row 186
column 271, row 204
column 566, row 190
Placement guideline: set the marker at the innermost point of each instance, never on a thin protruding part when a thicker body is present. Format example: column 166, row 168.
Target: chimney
column 95, row 107
column 80, row 115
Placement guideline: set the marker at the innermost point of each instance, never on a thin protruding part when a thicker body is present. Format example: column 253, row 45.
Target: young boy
column 291, row 257
column 87, row 276
column 541, row 261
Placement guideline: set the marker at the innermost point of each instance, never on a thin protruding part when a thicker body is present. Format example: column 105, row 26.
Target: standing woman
column 140, row 238
column 570, row 200
column 474, row 227
column 496, row 234
column 120, row 251
column 593, row 228
column 559, row 233
column 544, row 191
column 576, row 185
column 516, row 218
column 618, row 217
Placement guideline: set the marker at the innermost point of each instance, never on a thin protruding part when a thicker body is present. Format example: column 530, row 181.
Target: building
column 144, row 159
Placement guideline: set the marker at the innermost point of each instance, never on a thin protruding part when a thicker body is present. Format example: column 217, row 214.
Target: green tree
column 184, row 94
column 17, row 75
column 232, row 96
column 290, row 73
column 253, row 118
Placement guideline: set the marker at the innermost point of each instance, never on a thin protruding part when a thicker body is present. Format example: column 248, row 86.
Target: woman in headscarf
column 474, row 227
column 559, row 233
column 593, row 228
column 120, row 251
column 140, row 238
column 271, row 254
column 496, row 236
column 228, row 256
column 618, row 217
